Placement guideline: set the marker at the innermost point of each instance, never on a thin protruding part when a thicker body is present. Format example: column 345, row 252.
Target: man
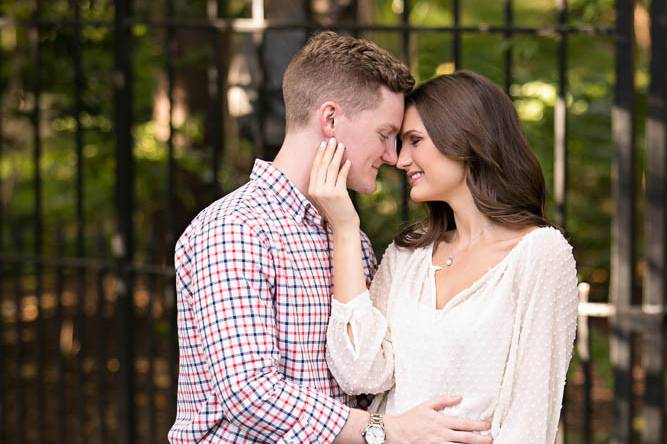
column 253, row 273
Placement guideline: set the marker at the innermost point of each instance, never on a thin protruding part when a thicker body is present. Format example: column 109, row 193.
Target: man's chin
column 371, row 188
column 366, row 188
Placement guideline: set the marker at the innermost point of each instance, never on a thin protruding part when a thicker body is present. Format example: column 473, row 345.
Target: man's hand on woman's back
column 424, row 424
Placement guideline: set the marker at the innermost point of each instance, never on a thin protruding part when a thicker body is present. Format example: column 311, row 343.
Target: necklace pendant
column 449, row 261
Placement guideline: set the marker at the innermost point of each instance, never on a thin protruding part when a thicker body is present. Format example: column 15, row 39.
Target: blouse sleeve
column 546, row 323
column 365, row 364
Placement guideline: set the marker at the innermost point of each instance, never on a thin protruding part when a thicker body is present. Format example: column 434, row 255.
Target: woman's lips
column 415, row 177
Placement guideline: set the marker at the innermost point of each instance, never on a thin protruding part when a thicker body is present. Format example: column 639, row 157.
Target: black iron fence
column 87, row 316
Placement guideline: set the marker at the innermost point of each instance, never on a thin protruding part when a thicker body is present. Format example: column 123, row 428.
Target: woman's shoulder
column 546, row 269
column 547, row 237
column 545, row 245
column 395, row 250
column 398, row 255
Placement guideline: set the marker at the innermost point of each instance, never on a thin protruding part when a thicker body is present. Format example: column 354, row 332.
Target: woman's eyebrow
column 407, row 133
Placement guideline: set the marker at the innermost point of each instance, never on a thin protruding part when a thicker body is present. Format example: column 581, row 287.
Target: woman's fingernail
column 332, row 141
column 323, row 144
column 341, row 146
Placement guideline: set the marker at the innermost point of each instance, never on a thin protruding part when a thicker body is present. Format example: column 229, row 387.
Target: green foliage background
column 534, row 88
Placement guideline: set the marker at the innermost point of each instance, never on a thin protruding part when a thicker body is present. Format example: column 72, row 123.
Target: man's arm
column 232, row 304
column 423, row 424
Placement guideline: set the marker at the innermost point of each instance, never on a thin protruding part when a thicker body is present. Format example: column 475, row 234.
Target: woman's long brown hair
column 470, row 119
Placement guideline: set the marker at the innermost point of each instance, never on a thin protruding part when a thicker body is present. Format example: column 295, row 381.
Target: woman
column 479, row 299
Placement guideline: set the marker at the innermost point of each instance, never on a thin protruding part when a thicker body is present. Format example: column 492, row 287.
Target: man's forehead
column 389, row 111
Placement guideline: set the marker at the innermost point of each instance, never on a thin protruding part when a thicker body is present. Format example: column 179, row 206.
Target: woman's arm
column 545, row 324
column 359, row 350
column 328, row 189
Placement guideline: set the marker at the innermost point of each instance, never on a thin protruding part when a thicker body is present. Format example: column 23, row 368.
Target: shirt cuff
column 323, row 422
column 344, row 312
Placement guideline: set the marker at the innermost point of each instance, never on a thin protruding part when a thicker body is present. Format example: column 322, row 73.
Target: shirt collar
column 287, row 194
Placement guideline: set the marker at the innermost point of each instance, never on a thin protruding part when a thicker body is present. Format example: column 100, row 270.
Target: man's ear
column 327, row 115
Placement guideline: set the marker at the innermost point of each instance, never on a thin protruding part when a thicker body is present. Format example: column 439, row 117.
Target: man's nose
column 389, row 156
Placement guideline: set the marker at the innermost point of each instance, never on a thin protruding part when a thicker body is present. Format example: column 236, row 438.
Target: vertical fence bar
column 258, row 40
column 223, row 43
column 508, row 52
column 655, row 285
column 124, row 194
column 101, row 322
column 623, row 226
column 80, row 223
column 60, row 361
column 172, row 313
column 19, row 400
column 560, row 120
column 4, row 388
column 263, row 101
column 78, row 106
column 3, row 347
column 80, row 418
column 310, row 22
column 456, row 41
column 216, row 91
column 35, row 34
column 405, row 33
column 263, row 150
column 584, row 352
column 150, row 331
column 560, row 156
column 171, row 215
column 354, row 4
column 170, row 51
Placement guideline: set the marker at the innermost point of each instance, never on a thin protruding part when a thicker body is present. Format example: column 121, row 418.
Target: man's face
column 370, row 139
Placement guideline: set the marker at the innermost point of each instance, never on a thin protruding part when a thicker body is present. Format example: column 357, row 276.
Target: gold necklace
column 450, row 259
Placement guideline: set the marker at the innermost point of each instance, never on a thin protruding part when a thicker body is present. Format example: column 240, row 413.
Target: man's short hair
column 343, row 69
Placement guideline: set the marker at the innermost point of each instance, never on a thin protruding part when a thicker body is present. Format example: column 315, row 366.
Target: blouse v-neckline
column 477, row 283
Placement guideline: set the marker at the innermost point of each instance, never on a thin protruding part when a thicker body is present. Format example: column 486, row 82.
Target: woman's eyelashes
column 414, row 140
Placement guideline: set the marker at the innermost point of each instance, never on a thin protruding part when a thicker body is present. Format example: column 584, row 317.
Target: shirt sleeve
column 546, row 323
column 365, row 364
column 232, row 302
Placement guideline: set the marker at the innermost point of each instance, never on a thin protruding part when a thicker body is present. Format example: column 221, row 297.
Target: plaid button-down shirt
column 253, row 277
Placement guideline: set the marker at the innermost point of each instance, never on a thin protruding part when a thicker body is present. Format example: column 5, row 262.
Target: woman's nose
column 404, row 160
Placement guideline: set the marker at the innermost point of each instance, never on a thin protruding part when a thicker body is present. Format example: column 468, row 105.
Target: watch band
column 374, row 422
column 376, row 419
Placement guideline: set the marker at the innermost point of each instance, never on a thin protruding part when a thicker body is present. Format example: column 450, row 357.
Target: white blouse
column 504, row 344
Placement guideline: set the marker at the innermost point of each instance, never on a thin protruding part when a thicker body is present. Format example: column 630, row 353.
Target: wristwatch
column 374, row 433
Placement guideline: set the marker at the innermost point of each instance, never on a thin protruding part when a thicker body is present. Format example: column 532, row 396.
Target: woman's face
column 432, row 175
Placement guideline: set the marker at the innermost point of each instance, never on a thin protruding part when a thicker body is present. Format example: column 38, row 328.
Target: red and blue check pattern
column 253, row 278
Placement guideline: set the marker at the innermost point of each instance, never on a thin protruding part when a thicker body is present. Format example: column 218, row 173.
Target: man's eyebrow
column 390, row 126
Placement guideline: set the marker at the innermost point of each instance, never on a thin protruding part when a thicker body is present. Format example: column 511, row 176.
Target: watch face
column 374, row 435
